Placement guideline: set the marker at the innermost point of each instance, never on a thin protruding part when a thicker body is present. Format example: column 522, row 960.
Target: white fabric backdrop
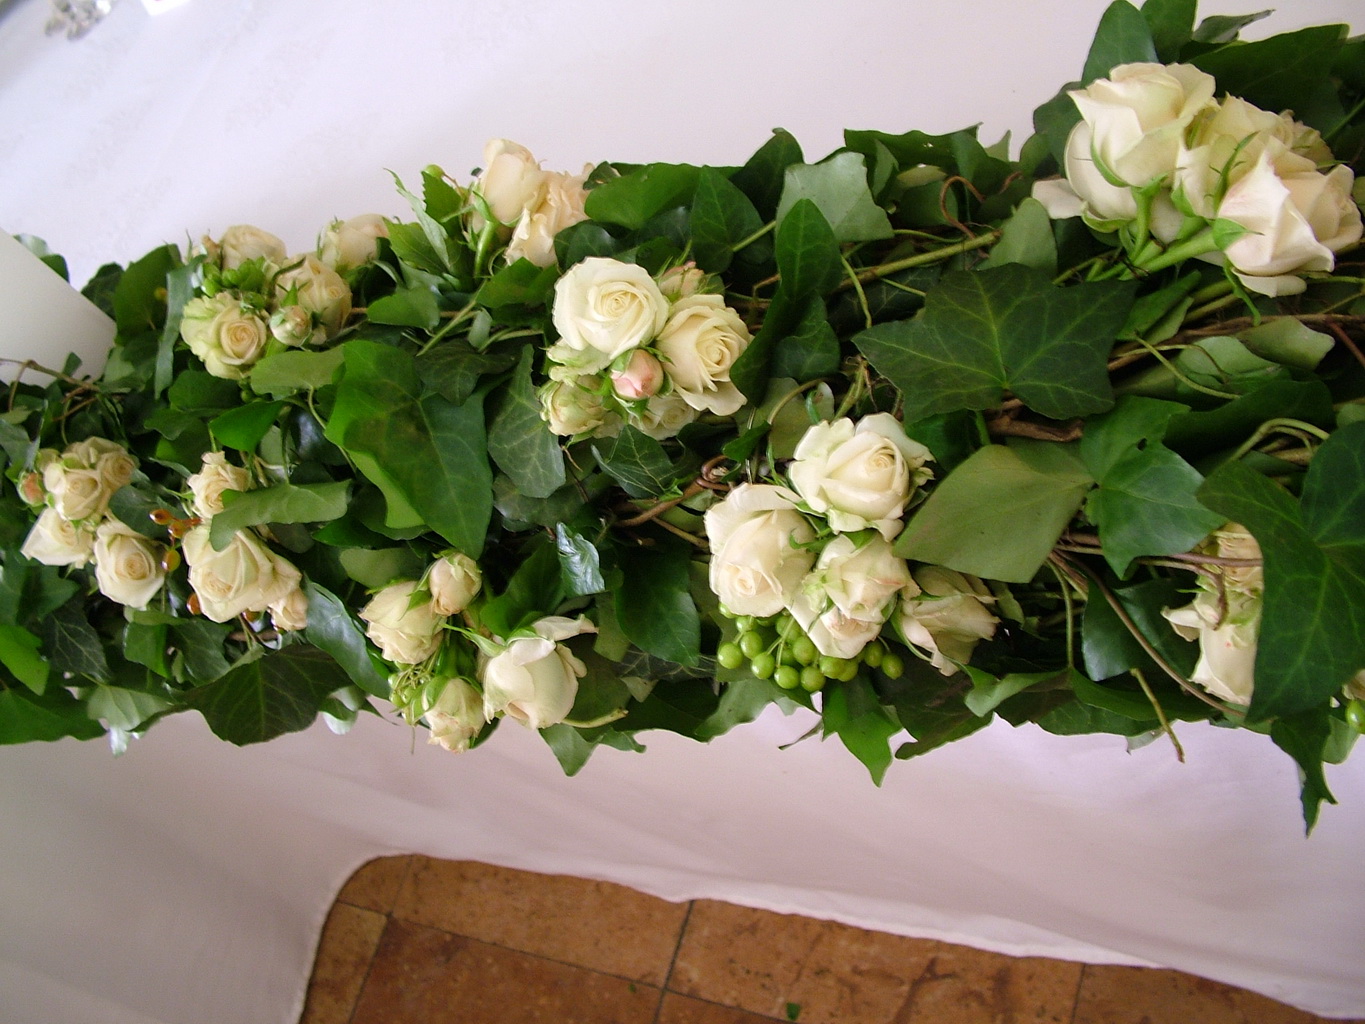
column 187, row 880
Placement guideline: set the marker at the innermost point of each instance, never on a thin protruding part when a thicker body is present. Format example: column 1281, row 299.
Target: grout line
column 1076, row 999
column 388, row 919
column 673, row 961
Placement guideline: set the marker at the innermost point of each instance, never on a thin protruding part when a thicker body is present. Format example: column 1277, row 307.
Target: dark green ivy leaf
column 27, row 718
column 1010, row 327
column 1122, row 38
column 520, row 441
column 72, row 645
column 654, row 603
column 269, row 696
column 333, row 630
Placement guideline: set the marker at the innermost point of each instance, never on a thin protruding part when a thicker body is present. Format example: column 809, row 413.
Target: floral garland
column 914, row 436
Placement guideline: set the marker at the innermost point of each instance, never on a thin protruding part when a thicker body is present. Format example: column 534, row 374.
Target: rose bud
column 642, row 377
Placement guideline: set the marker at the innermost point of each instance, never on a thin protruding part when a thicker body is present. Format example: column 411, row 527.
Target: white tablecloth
column 187, row 880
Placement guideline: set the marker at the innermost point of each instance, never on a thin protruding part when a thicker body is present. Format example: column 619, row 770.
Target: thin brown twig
column 1345, row 339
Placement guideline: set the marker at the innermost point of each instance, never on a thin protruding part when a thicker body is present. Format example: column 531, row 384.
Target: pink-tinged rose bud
column 641, row 378
column 31, row 488
column 682, row 281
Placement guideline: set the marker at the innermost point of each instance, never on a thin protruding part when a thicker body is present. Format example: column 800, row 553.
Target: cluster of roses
column 75, row 527
column 257, row 299
column 524, row 205
column 530, row 676
column 1224, row 181
column 244, row 577
column 633, row 349
column 821, row 550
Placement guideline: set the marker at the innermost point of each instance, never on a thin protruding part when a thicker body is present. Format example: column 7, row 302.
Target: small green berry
column 787, row 677
column 729, row 655
column 804, row 651
column 831, row 666
column 751, row 644
column 812, row 679
column 873, row 654
column 892, row 665
column 763, row 665
column 1355, row 714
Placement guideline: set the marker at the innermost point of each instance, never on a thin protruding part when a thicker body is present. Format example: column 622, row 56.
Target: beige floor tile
column 349, row 939
column 761, row 962
column 375, row 885
column 678, row 1009
column 426, row 976
column 597, row 925
column 1138, row 995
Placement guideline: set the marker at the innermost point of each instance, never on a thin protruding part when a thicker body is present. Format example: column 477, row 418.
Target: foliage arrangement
column 914, row 436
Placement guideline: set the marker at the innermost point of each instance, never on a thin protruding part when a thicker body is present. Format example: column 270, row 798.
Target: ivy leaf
column 852, row 712
column 572, row 746
column 124, row 709
column 654, row 603
column 1304, row 738
column 283, row 503
column 1123, row 37
column 1285, row 71
column 1026, row 238
column 632, row 199
column 269, row 696
column 722, row 216
column 427, row 455
column 180, row 285
column 838, row 189
column 1109, row 649
column 406, row 307
column 72, row 644
column 983, row 332
column 519, row 439
column 1146, row 505
column 288, row 372
column 1171, row 23
column 200, row 643
column 28, row 718
column 243, row 427
column 762, row 176
column 19, row 654
column 453, row 368
column 1313, row 624
column 518, row 284
column 580, row 565
column 999, row 513
column 637, row 462
column 333, row 630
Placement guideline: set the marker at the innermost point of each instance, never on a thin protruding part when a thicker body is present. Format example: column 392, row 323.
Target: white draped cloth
column 187, row 880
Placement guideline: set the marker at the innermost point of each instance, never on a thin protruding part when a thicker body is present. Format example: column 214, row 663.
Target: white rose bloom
column 55, row 540
column 115, row 470
column 698, row 345
column 454, row 581
column 571, row 410
column 511, row 182
column 1138, row 116
column 292, row 326
column 290, row 614
column 1295, row 223
column 847, row 597
column 128, row 566
column 214, row 477
column 228, row 336
column 348, row 244
column 756, row 565
column 321, row 291
column 457, row 716
column 243, row 242
column 859, row 477
column 76, row 493
column 535, row 679
column 245, row 576
column 560, row 207
column 945, row 613
column 603, row 308
column 1227, row 635
column 405, row 633
column 663, row 416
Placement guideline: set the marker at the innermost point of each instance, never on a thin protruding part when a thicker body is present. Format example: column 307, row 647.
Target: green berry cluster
column 777, row 648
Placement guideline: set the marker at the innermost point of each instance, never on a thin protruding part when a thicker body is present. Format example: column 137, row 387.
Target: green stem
column 1196, row 245
column 1160, row 713
column 1156, row 353
column 1278, row 425
column 925, row 259
column 455, row 321
column 858, row 287
column 744, row 242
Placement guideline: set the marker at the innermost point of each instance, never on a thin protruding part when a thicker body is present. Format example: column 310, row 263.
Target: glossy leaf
column 838, row 189
column 283, row 503
column 277, row 693
column 1000, row 512
column 520, row 441
column 333, row 629
column 1005, row 328
column 852, row 712
column 27, row 718
column 1123, row 37
column 722, row 216
column 654, row 603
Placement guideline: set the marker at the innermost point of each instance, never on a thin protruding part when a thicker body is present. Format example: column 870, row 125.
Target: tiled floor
column 413, row 940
